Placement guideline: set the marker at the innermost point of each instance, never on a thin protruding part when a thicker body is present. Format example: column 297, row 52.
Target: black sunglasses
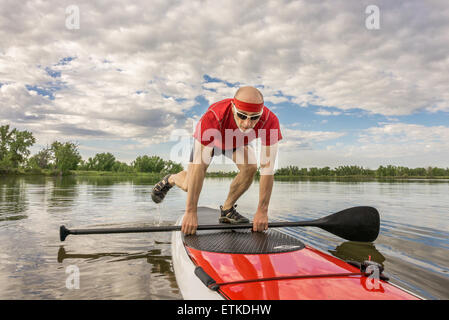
column 244, row 116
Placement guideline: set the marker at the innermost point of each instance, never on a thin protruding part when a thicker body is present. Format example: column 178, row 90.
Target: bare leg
column 180, row 179
column 202, row 158
column 247, row 166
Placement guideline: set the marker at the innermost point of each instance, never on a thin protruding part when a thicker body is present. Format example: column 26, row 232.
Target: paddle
column 354, row 224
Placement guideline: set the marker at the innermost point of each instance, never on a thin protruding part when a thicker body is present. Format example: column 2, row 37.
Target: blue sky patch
column 52, row 73
column 209, row 89
column 47, row 91
column 41, row 91
column 65, row 61
column 426, row 118
column 209, row 79
column 199, row 108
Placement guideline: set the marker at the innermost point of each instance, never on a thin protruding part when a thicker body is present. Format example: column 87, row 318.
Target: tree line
column 62, row 157
column 380, row 172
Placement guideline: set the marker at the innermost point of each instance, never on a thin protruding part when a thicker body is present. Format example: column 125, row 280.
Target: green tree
column 418, row 172
column 66, row 156
column 82, row 165
column 89, row 164
column 314, row 172
column 326, row 171
column 14, row 146
column 19, row 148
column 41, row 160
column 5, row 141
column 102, row 162
column 172, row 167
column 122, row 167
column 149, row 164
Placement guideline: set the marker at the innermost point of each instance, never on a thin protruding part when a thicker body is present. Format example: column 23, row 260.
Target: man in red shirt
column 227, row 127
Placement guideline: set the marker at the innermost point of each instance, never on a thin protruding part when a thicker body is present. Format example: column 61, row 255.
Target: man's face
column 245, row 120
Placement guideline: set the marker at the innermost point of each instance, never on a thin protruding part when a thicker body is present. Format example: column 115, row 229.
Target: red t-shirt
column 217, row 128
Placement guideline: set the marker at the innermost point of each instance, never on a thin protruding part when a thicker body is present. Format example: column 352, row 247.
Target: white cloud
column 405, row 140
column 323, row 112
column 392, row 143
column 138, row 67
column 294, row 139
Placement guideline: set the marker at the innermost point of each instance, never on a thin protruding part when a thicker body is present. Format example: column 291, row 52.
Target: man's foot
column 231, row 216
column 160, row 189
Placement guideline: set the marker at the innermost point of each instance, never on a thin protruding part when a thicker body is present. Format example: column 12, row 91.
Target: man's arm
column 267, row 161
column 195, row 178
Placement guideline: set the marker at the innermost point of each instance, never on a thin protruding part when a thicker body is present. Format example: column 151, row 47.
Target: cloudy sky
column 132, row 79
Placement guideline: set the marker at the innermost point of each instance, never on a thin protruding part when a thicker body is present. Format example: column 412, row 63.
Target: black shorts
column 216, row 152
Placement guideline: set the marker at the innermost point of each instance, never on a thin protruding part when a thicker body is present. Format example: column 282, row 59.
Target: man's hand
column 189, row 223
column 260, row 222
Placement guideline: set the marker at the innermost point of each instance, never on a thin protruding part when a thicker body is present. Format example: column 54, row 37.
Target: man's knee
column 185, row 184
column 249, row 169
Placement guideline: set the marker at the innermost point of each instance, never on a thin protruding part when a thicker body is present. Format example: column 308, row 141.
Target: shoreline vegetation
column 214, row 174
column 62, row 159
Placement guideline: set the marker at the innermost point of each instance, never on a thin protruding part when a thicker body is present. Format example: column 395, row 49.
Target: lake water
column 413, row 244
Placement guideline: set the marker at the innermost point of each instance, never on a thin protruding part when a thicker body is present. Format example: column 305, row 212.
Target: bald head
column 249, row 94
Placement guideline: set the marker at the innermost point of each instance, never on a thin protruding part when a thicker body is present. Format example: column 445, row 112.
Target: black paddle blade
column 354, row 224
column 63, row 233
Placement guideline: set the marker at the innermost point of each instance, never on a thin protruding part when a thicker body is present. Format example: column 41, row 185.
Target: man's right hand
column 189, row 223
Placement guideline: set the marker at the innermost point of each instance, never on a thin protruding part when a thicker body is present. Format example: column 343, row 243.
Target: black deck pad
column 240, row 240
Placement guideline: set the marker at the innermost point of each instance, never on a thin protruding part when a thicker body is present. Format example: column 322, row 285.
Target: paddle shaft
column 355, row 224
column 65, row 231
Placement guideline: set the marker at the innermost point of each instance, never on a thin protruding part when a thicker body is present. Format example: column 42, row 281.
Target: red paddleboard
column 246, row 265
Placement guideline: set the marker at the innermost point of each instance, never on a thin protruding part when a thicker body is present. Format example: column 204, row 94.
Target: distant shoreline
column 358, row 177
column 81, row 173
column 158, row 176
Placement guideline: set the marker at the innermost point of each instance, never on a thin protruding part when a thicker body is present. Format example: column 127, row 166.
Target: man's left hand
column 260, row 222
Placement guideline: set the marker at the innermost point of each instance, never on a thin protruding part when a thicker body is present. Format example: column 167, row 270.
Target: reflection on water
column 358, row 251
column 33, row 264
column 158, row 259
column 63, row 193
column 109, row 181
column 159, row 262
column 13, row 201
column 413, row 245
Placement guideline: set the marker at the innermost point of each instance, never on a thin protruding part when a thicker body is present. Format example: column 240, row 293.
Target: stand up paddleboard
column 245, row 265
